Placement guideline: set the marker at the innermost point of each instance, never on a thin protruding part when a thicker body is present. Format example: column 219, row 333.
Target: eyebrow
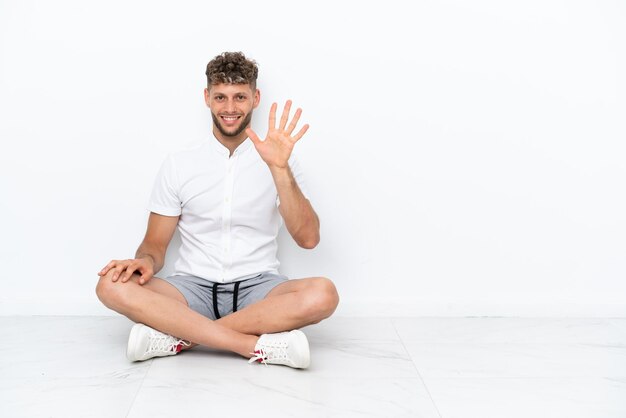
column 234, row 94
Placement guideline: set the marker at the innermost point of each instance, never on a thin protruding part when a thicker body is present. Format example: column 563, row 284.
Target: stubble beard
column 244, row 124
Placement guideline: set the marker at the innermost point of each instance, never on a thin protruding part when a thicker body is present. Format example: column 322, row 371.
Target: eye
column 219, row 98
column 241, row 97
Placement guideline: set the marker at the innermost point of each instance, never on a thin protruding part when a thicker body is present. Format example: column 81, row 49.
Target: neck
column 230, row 142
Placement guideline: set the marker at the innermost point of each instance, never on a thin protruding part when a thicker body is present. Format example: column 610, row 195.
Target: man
column 228, row 198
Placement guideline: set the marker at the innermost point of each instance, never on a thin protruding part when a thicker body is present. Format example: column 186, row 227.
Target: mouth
column 230, row 120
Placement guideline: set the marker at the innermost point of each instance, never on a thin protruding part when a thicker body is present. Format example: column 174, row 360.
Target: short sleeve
column 165, row 199
column 296, row 170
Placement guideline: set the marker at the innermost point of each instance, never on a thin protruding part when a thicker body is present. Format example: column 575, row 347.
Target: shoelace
column 160, row 342
column 270, row 353
column 258, row 355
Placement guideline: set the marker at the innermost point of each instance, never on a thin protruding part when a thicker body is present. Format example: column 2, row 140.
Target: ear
column 206, row 97
column 257, row 98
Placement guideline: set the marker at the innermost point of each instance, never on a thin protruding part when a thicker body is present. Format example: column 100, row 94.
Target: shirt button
column 227, row 199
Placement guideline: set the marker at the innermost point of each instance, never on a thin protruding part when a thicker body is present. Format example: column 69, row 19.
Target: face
column 231, row 108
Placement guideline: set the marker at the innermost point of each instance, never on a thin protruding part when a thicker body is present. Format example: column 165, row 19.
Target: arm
column 300, row 218
column 150, row 255
column 158, row 236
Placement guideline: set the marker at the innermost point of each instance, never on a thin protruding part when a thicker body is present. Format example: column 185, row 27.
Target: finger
column 294, row 122
column 116, row 273
column 272, row 124
column 253, row 136
column 130, row 269
column 145, row 277
column 301, row 133
column 119, row 269
column 107, row 268
column 146, row 272
column 285, row 117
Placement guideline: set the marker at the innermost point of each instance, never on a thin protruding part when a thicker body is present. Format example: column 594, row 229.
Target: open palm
column 276, row 149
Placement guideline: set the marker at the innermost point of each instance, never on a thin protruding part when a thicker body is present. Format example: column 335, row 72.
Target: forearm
column 153, row 254
column 300, row 218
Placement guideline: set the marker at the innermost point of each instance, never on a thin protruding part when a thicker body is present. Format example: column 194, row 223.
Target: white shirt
column 228, row 209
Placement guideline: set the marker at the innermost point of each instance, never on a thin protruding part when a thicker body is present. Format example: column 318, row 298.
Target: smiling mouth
column 230, row 119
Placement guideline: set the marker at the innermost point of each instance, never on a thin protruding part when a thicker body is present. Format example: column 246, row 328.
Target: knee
column 111, row 293
column 322, row 300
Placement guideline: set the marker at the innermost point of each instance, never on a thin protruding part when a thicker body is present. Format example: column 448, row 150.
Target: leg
column 288, row 306
column 160, row 306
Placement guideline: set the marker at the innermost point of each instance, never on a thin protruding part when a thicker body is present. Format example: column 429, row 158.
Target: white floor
column 405, row 367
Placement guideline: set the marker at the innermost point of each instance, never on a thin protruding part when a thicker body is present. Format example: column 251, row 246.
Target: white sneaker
column 286, row 348
column 145, row 343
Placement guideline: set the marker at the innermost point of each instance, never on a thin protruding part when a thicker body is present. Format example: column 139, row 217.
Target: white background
column 465, row 158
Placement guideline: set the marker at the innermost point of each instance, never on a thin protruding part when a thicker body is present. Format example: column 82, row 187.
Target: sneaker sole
column 132, row 341
column 302, row 339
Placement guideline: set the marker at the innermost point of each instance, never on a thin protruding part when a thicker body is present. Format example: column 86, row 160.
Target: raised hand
column 276, row 149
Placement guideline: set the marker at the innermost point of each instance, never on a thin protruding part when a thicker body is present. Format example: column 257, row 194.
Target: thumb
column 253, row 136
column 145, row 276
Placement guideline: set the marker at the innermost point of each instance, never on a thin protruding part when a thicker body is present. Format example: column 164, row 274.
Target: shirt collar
column 222, row 150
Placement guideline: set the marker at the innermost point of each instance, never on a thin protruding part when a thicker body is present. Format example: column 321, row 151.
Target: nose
column 230, row 106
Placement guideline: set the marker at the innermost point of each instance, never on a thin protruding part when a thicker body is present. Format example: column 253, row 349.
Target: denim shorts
column 214, row 300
